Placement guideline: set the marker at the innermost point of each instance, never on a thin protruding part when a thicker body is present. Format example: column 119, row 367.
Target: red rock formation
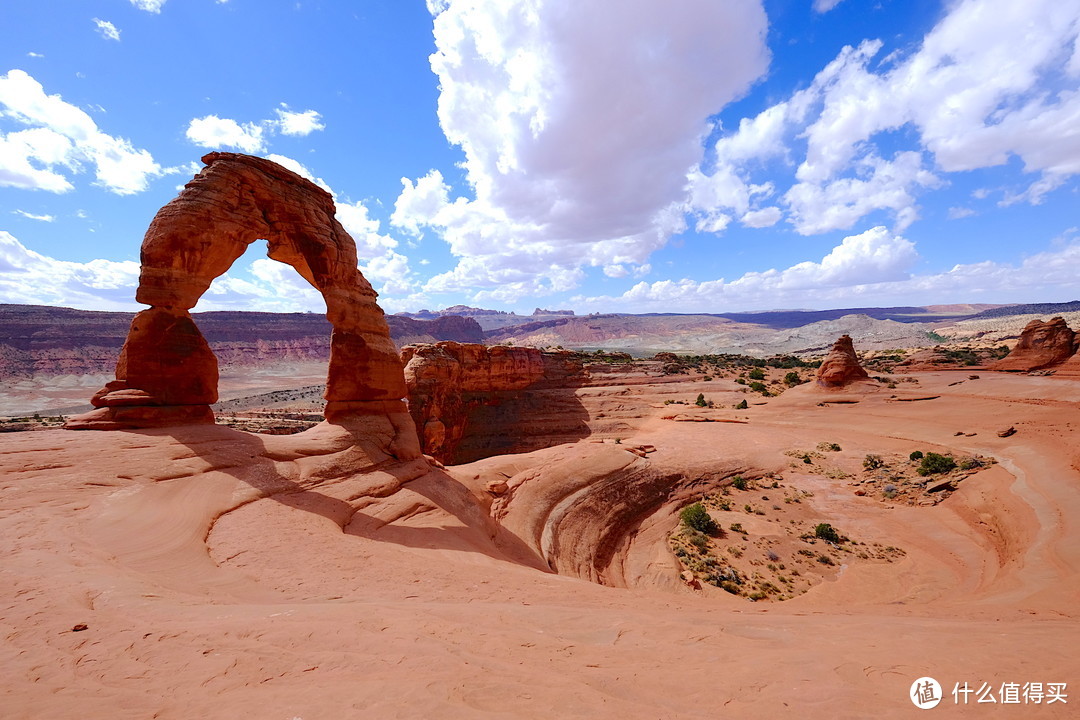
column 166, row 368
column 1041, row 345
column 449, row 381
column 841, row 366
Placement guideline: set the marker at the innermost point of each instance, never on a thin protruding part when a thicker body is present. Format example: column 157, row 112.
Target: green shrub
column 759, row 387
column 792, row 379
column 934, row 463
column 756, row 374
column 740, row 380
column 700, row 402
column 697, row 517
column 873, row 462
column 707, row 378
column 739, row 483
column 916, row 455
column 827, row 532
column 742, row 405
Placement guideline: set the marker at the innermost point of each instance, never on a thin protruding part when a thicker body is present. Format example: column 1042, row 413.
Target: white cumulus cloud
column 994, row 79
column 872, row 268
column 215, row 132
column 212, row 131
column 60, row 141
column 579, row 126
column 298, row 123
column 32, row 278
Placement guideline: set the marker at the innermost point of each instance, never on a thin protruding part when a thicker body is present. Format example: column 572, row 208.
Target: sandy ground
column 70, row 394
column 224, row 575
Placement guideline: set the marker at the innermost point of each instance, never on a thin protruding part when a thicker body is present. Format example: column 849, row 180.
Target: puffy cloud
column 215, row 132
column 298, row 123
column 107, row 30
column 840, row 203
column 421, row 203
column 61, row 140
column 870, row 268
column 250, row 137
column 765, row 217
column 577, row 142
column 992, row 80
column 30, row 277
column 153, row 6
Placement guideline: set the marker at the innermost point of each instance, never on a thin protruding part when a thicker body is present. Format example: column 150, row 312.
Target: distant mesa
column 541, row 311
column 167, row 374
column 1042, row 345
column 841, row 366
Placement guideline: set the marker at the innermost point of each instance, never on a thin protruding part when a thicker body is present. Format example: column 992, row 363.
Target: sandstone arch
column 167, row 374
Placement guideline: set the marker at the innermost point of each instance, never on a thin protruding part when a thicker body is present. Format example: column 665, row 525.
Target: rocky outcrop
column 841, row 366
column 456, row 391
column 1041, row 345
column 166, row 367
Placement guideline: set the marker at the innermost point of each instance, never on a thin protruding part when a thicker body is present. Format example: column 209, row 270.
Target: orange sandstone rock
column 448, row 381
column 841, row 366
column 167, row 373
column 1041, row 345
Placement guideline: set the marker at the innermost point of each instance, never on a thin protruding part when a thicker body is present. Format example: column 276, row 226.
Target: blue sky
column 639, row 156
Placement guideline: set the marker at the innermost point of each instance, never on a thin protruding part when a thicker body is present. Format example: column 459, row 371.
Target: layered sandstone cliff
column 470, row 401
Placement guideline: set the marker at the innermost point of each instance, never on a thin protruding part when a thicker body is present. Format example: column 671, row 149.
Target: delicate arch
column 167, row 374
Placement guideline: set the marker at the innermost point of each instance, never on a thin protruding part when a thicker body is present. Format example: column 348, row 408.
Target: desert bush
column 743, row 405
column 739, row 483
column 933, row 463
column 700, row 402
column 756, row 374
column 873, row 462
column 697, row 517
column 792, row 379
column 916, row 455
column 759, row 387
column 827, row 532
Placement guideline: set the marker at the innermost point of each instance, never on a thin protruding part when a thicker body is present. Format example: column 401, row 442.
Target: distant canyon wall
column 40, row 341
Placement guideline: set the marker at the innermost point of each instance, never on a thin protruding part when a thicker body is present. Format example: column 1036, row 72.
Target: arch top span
column 167, row 373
